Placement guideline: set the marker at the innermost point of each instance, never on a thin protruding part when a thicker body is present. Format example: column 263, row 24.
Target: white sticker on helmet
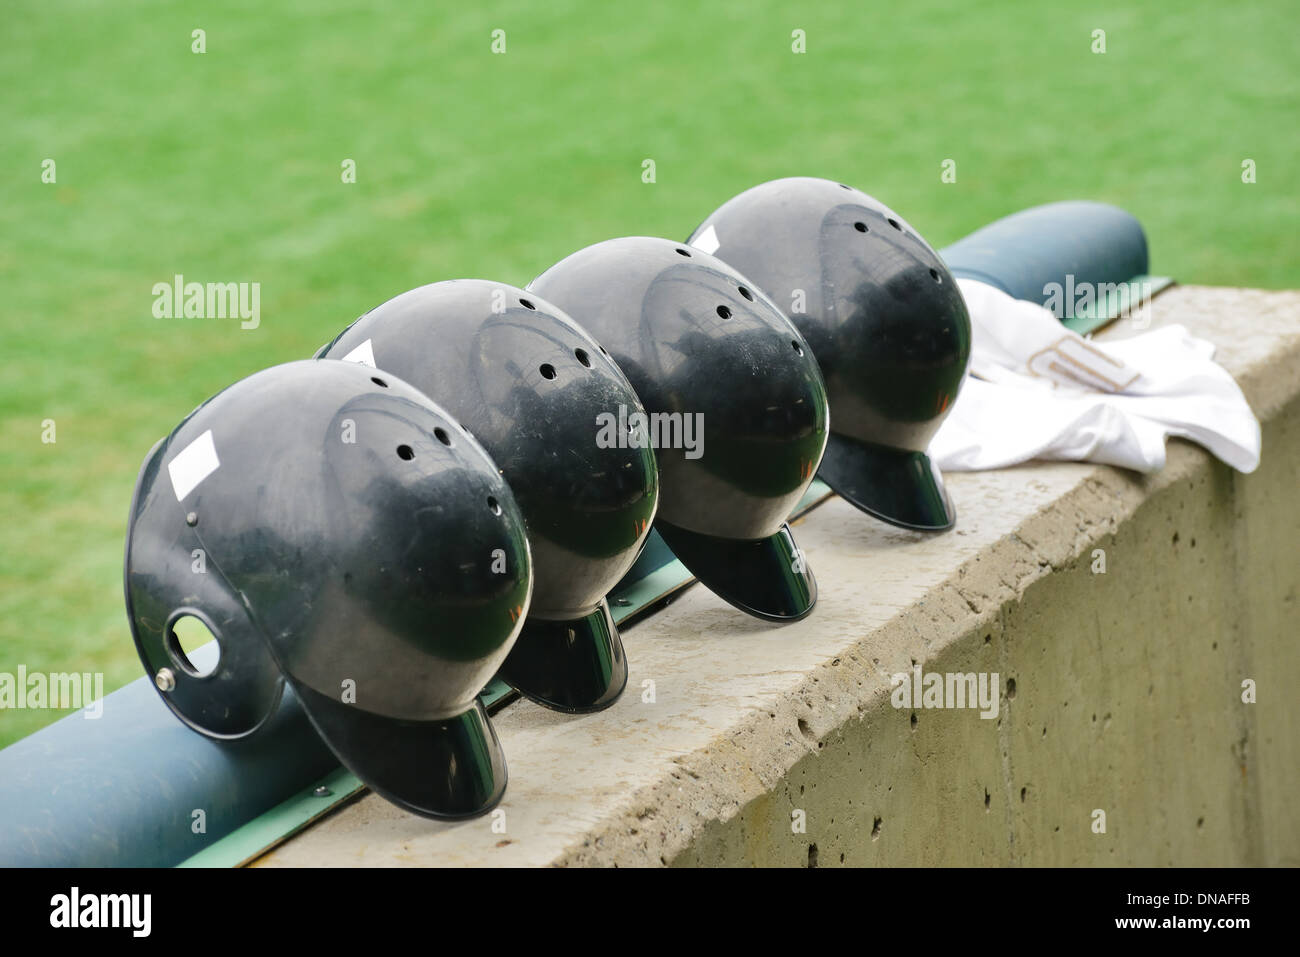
column 193, row 464
column 363, row 354
column 707, row 241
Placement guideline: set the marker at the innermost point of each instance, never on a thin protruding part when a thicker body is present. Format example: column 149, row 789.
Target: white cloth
column 1037, row 390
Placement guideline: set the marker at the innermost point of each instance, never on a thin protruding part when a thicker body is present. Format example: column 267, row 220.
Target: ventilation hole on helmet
column 494, row 505
column 842, row 186
column 861, row 227
column 406, row 453
column 934, row 274
column 185, row 636
column 746, row 293
column 547, row 370
column 683, row 252
column 604, row 350
column 583, row 357
column 724, row 312
column 441, row 435
column 797, row 348
column 894, row 223
column 526, row 304
column 379, row 382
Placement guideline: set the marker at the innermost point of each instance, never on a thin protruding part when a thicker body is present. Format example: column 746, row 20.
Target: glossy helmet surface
column 736, row 406
column 532, row 387
column 334, row 528
column 884, row 318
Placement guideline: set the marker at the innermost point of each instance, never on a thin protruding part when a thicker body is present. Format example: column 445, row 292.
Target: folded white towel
column 1039, row 390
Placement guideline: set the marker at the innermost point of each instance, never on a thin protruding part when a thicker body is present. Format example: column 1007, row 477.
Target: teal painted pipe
column 1026, row 251
column 123, row 789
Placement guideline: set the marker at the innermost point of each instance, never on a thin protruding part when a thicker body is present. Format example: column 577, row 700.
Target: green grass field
column 225, row 166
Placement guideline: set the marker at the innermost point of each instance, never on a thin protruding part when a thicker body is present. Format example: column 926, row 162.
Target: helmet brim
column 897, row 486
column 447, row 769
column 767, row 578
column 575, row 665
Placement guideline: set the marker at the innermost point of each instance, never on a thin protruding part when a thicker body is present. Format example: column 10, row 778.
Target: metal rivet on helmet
column 531, row 386
column 343, row 548
column 885, row 320
column 737, row 416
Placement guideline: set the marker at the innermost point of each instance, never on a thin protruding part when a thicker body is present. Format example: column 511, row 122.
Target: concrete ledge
column 1127, row 694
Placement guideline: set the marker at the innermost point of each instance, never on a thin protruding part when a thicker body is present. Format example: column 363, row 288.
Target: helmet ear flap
column 226, row 691
column 170, row 577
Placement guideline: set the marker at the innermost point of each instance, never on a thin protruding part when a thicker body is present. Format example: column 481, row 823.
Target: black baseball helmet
column 333, row 527
column 531, row 386
column 885, row 319
column 736, row 408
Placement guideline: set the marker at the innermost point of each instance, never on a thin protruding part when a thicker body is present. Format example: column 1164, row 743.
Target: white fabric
column 1039, row 390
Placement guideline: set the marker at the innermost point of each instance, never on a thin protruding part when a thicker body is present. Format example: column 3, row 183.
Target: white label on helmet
column 707, row 241
column 363, row 354
column 192, row 465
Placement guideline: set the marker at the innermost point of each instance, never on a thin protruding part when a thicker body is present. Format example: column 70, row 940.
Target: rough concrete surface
column 1119, row 692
